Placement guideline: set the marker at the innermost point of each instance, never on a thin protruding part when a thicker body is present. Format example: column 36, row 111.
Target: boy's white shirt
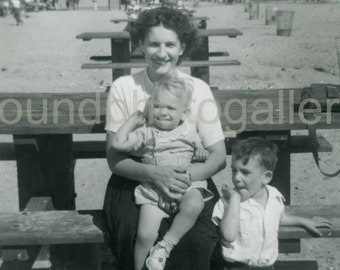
column 257, row 241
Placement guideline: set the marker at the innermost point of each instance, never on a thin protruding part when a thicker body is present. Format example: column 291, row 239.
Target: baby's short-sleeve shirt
column 257, row 241
column 129, row 94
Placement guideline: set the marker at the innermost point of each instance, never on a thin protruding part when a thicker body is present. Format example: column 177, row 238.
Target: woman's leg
column 194, row 250
column 150, row 217
column 120, row 220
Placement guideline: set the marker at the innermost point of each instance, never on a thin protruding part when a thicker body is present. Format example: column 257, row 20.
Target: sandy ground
column 43, row 55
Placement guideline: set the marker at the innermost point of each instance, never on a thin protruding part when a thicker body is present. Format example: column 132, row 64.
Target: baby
column 164, row 138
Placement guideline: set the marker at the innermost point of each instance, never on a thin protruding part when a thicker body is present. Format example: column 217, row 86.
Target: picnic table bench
column 41, row 227
column 123, row 59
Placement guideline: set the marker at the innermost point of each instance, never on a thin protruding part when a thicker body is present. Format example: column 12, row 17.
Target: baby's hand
column 139, row 118
column 200, row 154
column 315, row 223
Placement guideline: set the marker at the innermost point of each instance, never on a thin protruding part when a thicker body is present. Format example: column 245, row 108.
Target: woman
column 165, row 36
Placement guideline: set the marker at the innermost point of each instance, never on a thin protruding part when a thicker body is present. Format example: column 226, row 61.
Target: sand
column 44, row 55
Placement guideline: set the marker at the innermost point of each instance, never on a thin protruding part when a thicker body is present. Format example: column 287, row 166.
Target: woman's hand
column 173, row 182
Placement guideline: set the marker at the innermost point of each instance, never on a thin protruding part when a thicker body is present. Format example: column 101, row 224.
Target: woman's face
column 162, row 49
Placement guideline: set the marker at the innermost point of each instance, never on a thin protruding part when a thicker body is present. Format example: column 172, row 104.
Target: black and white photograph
column 215, row 121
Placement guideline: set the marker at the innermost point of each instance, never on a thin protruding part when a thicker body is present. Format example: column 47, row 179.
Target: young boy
column 249, row 215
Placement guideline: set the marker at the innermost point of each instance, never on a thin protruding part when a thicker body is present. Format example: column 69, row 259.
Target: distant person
column 4, row 8
column 16, row 9
column 75, row 4
column 249, row 214
column 56, row 4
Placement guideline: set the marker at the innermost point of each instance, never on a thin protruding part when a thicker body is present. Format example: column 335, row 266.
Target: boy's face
column 167, row 110
column 249, row 179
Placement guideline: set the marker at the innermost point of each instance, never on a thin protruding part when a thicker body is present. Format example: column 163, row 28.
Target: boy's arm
column 230, row 222
column 122, row 141
column 311, row 225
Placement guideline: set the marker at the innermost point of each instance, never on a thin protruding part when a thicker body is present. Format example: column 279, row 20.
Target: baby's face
column 167, row 110
column 249, row 179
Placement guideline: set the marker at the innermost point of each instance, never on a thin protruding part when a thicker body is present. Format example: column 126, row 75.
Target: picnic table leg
column 120, row 53
column 281, row 177
column 29, row 168
column 201, row 54
column 45, row 167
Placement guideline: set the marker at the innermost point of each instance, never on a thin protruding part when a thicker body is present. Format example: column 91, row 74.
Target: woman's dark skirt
column 120, row 224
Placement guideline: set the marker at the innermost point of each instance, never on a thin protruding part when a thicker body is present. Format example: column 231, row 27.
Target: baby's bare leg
column 150, row 217
column 189, row 209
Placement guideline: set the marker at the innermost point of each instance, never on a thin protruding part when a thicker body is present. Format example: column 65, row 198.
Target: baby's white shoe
column 157, row 257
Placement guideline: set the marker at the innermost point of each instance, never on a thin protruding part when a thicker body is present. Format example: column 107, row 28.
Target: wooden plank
column 86, row 36
column 241, row 110
column 31, row 179
column 42, row 260
column 130, row 65
column 297, row 144
column 103, row 35
column 48, row 227
column 96, row 149
column 230, row 32
column 58, row 167
column 89, row 149
column 290, row 245
column 301, row 144
column 52, row 113
column 303, row 260
column 120, row 53
column 15, row 253
column 39, row 204
column 198, row 18
column 7, row 151
column 261, row 110
column 45, row 168
column 140, row 56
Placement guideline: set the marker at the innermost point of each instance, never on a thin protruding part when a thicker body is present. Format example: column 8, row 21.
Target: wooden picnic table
column 43, row 124
column 45, row 151
column 121, row 51
column 202, row 21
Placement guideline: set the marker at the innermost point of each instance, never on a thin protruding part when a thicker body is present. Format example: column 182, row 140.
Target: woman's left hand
column 183, row 178
column 172, row 182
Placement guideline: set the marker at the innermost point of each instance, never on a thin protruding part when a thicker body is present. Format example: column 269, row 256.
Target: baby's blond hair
column 181, row 88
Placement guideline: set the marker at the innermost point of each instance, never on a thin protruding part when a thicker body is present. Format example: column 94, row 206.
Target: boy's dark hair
column 170, row 18
column 265, row 151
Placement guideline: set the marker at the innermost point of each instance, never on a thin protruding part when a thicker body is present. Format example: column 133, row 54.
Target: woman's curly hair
column 171, row 19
